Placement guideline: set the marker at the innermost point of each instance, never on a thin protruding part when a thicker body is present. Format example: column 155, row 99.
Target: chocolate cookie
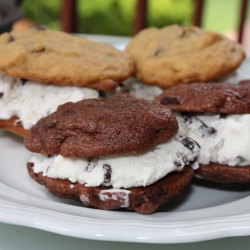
column 177, row 54
column 208, row 97
column 56, row 57
column 247, row 81
column 217, row 116
column 140, row 199
column 99, row 127
column 223, row 173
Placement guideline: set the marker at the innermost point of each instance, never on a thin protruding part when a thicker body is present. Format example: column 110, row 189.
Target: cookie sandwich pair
column 217, row 116
column 41, row 69
column 112, row 153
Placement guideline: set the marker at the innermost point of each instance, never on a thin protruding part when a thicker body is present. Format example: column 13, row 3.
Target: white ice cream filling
column 120, row 171
column 135, row 87
column 224, row 139
column 31, row 100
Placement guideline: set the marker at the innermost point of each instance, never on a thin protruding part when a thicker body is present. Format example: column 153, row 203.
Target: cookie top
column 177, row 54
column 56, row 57
column 208, row 97
column 99, row 127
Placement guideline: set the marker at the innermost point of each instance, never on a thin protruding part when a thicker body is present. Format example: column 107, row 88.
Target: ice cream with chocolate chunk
column 217, row 116
column 119, row 152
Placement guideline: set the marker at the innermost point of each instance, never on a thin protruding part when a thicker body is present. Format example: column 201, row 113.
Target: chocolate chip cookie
column 177, row 54
column 41, row 69
column 55, row 57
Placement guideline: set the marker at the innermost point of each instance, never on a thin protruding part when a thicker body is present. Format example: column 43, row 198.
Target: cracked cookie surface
column 99, row 127
column 56, row 57
column 177, row 54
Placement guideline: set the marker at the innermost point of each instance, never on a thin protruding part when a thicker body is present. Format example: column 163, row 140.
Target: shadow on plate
column 15, row 138
column 231, row 187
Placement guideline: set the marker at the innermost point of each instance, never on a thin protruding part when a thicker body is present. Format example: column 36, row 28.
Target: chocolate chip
column 102, row 94
column 121, row 84
column 11, row 39
column 190, row 143
column 50, row 155
column 240, row 159
column 1, row 94
column 23, row 81
column 30, row 164
column 177, row 163
column 169, row 100
column 194, row 147
column 184, row 33
column 38, row 27
column 223, row 116
column 186, row 118
column 238, row 97
column 90, row 166
column 212, row 130
column 204, row 126
column 187, row 31
column 158, row 51
column 107, row 173
column 34, row 47
column 90, row 160
column 18, row 123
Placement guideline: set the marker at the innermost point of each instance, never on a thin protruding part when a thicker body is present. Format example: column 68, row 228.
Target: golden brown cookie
column 177, row 54
column 56, row 57
column 12, row 126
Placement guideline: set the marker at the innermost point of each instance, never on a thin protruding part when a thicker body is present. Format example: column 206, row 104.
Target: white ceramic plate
column 202, row 211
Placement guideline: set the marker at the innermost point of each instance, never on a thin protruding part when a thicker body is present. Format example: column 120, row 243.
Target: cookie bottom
column 9, row 125
column 224, row 173
column 139, row 199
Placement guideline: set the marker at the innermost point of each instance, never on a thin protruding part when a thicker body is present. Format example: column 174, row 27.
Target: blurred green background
column 115, row 17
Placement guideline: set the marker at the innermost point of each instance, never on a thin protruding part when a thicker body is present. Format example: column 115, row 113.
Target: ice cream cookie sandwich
column 41, row 69
column 217, row 116
column 112, row 153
